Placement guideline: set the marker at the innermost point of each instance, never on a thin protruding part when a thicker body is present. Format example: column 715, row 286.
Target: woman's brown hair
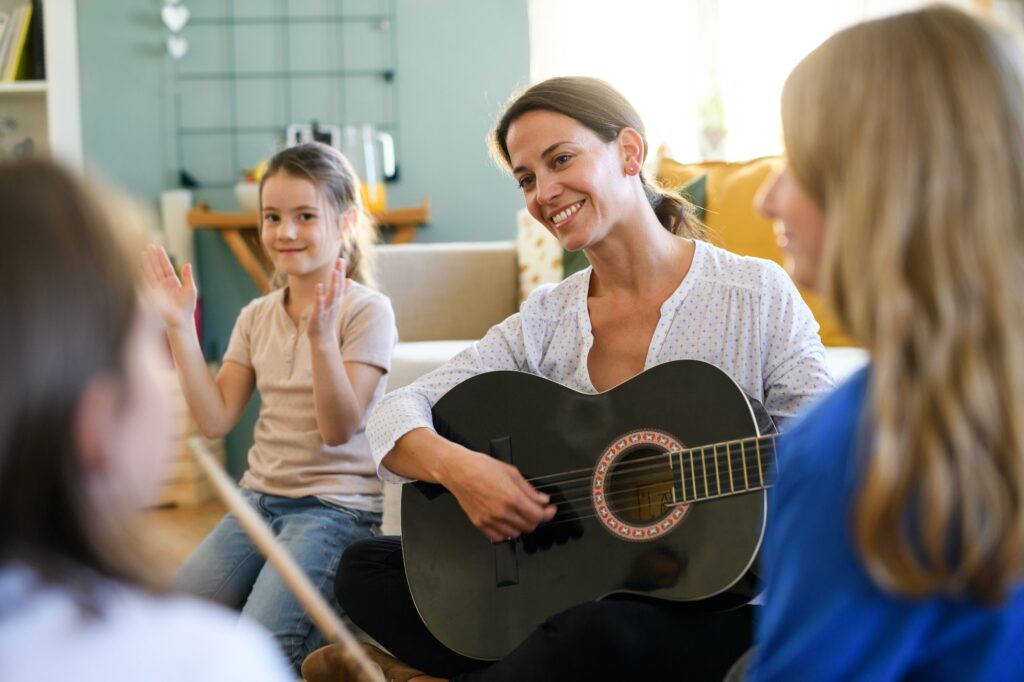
column 337, row 182
column 598, row 106
column 68, row 283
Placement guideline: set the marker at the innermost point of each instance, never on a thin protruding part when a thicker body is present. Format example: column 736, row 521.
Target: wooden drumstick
column 353, row 656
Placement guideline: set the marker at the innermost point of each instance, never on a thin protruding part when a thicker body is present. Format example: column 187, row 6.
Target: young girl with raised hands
column 85, row 434
column 897, row 547
column 317, row 349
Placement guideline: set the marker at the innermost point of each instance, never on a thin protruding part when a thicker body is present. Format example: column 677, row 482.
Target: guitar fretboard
column 721, row 469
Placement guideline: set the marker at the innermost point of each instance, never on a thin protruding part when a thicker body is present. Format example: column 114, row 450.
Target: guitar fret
column 760, row 473
column 718, row 482
column 728, row 457
column 704, row 471
column 693, row 476
column 672, row 467
column 680, row 482
column 743, row 456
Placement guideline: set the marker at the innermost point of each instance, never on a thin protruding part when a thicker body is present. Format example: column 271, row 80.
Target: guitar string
column 626, row 494
column 656, row 456
column 582, row 517
column 657, row 463
column 754, row 483
column 567, row 519
column 580, row 493
column 587, row 498
column 626, row 473
column 572, row 518
column 637, row 471
column 767, row 441
column 633, row 468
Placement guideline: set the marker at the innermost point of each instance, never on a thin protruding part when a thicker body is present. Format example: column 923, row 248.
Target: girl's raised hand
column 175, row 298
column 323, row 320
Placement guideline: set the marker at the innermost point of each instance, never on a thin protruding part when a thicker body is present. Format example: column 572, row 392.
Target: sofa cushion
column 412, row 359
column 454, row 290
column 735, row 224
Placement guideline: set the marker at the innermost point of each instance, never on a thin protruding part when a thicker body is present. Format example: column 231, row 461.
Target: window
column 694, row 67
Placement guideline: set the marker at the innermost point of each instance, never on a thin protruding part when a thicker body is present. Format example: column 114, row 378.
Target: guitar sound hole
column 639, row 489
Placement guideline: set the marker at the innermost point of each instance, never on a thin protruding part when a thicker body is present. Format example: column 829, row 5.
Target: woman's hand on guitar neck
column 495, row 496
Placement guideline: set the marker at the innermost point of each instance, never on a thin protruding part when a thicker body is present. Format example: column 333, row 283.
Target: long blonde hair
column 909, row 132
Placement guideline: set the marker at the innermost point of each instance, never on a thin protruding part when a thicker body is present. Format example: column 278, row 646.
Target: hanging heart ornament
column 177, row 46
column 175, row 17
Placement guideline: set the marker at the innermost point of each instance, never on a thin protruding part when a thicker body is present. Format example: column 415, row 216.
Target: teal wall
column 457, row 61
column 127, row 123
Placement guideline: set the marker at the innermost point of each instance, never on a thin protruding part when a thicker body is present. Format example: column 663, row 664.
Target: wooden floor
column 178, row 531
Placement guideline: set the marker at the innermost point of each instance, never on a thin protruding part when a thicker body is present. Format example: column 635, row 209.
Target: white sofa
column 447, row 295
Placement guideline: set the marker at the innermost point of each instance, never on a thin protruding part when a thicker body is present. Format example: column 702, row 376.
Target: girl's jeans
column 228, row 568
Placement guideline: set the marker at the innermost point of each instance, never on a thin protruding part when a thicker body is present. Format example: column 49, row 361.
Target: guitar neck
column 722, row 469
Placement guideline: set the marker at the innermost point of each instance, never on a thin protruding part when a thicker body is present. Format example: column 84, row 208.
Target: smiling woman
column 590, row 117
column 654, row 293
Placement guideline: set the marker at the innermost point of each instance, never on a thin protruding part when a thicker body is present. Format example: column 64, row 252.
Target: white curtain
column 693, row 65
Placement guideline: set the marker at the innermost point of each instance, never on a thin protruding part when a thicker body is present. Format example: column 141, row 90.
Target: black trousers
column 614, row 639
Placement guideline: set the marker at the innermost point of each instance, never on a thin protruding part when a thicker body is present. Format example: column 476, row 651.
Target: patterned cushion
column 538, row 252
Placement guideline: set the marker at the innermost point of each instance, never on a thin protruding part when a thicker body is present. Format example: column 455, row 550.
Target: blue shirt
column 823, row 618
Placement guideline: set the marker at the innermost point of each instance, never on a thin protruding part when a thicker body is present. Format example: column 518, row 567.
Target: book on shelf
column 5, row 34
column 15, row 62
column 36, row 56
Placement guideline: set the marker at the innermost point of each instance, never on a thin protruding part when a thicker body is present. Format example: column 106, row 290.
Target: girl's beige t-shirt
column 288, row 457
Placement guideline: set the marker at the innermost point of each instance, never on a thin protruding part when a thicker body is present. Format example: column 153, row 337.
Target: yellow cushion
column 735, row 224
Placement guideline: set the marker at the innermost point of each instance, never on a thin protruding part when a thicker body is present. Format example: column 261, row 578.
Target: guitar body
column 482, row 599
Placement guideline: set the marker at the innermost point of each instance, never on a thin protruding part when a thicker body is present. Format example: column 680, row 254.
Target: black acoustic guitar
column 659, row 485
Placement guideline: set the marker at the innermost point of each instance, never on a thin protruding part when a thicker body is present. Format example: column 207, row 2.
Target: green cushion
column 695, row 191
column 573, row 261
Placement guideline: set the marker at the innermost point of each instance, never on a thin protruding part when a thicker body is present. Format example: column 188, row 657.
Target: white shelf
column 50, row 111
column 23, row 87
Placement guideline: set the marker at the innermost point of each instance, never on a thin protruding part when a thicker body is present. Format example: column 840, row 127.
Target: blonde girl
column 317, row 350
column 85, row 435
column 897, row 546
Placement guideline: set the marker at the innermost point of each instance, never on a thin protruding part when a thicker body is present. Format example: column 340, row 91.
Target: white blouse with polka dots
column 741, row 314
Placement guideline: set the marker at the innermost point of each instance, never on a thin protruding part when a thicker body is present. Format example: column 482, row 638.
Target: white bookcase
column 49, row 111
